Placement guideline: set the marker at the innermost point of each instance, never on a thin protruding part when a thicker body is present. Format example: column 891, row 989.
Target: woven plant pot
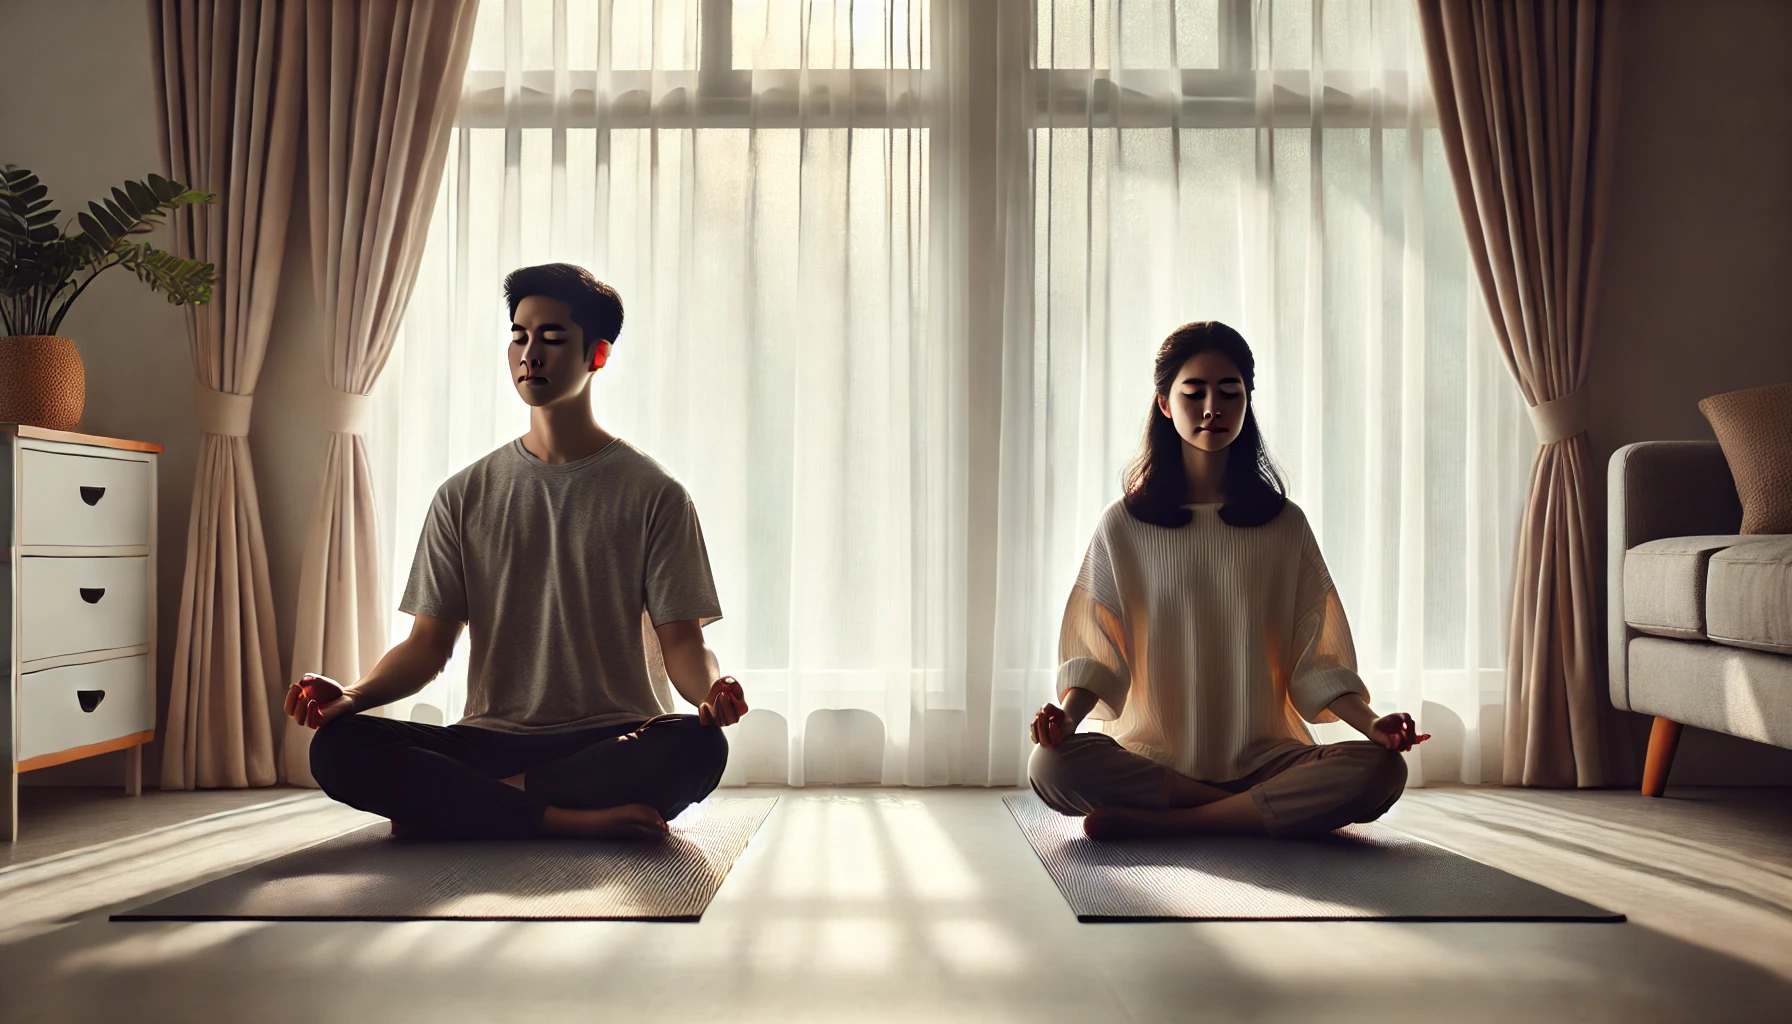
column 42, row 381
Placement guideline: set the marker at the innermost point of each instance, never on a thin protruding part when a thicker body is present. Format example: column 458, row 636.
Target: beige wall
column 1699, row 264
column 1700, row 260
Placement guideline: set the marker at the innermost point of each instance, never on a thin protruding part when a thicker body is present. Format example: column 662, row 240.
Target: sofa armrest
column 1657, row 489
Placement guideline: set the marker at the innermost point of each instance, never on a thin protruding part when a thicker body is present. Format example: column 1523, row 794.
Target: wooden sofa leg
column 1664, row 736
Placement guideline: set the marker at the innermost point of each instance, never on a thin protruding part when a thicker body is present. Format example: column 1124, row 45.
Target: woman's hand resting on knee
column 1397, row 732
column 1053, row 723
column 315, row 699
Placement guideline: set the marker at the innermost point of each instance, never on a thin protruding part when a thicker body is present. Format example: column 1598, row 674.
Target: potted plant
column 44, row 269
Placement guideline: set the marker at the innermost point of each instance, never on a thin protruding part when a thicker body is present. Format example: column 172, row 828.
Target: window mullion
column 715, row 55
column 1235, row 35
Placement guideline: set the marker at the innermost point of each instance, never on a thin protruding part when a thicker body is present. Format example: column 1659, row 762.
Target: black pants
column 446, row 781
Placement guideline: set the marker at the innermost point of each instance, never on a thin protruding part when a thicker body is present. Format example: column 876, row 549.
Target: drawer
column 78, row 705
column 74, row 605
column 83, row 501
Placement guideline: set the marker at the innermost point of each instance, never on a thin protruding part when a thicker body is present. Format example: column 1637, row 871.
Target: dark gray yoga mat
column 366, row 875
column 1364, row 872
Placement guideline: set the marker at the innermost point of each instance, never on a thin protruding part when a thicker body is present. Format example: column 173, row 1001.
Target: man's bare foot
column 1129, row 823
column 629, row 821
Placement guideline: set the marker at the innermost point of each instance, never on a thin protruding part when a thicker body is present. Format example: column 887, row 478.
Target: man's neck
column 565, row 432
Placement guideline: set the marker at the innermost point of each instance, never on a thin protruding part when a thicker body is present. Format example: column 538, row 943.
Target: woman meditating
column 1205, row 627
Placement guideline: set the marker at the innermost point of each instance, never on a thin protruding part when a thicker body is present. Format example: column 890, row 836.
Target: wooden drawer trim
column 90, row 750
column 70, row 437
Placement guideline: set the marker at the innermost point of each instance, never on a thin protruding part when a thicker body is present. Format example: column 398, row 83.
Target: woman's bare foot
column 629, row 821
column 1236, row 815
column 1127, row 823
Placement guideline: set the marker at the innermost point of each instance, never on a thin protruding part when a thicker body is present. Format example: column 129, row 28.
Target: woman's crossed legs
column 1304, row 792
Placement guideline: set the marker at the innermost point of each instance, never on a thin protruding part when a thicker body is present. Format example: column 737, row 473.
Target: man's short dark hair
column 596, row 307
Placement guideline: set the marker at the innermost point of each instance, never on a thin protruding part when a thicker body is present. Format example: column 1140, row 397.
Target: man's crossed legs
column 458, row 781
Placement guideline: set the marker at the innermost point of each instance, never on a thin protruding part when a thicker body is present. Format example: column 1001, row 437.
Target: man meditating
column 578, row 563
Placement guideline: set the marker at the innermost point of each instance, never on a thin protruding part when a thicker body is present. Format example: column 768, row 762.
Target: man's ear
column 600, row 354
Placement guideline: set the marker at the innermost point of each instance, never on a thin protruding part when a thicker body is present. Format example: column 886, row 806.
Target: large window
column 784, row 192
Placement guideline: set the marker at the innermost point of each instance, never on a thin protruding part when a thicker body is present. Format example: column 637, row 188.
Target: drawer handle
column 92, row 495
column 92, row 595
column 90, row 699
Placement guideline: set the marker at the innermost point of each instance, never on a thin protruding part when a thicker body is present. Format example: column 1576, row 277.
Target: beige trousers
column 1304, row 792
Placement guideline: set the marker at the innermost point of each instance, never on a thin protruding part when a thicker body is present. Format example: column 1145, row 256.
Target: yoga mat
column 1363, row 872
column 366, row 875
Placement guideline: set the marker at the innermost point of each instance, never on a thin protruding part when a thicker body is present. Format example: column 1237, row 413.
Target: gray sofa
column 1700, row 618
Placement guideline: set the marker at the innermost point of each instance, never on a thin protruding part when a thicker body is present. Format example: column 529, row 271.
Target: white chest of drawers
column 77, row 603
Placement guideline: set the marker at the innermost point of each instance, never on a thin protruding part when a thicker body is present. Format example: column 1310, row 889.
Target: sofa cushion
column 1664, row 584
column 1748, row 595
column 1752, row 425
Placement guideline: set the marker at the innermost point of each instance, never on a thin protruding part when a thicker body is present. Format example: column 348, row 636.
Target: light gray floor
column 873, row 904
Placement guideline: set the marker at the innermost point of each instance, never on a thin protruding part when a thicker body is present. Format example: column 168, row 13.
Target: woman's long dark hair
column 1156, row 486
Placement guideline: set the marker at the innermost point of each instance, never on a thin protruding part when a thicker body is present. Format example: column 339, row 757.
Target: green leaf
column 125, row 203
column 133, row 224
column 112, row 230
column 93, row 235
column 141, row 197
column 183, row 280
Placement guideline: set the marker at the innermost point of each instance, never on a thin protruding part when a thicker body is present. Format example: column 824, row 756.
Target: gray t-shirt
column 560, row 571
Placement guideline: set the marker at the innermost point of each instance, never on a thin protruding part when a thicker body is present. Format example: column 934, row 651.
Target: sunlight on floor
column 871, row 904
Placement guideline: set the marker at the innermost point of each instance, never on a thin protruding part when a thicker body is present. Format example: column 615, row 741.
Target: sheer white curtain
column 1273, row 164
column 754, row 178
column 848, row 230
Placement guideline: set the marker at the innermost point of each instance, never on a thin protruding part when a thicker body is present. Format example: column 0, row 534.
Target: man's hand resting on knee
column 725, row 705
column 315, row 699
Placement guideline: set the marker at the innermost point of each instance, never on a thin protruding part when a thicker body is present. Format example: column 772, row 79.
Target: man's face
column 547, row 352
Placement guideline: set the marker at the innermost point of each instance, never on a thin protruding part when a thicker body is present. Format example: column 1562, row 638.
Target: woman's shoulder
column 1116, row 520
column 1293, row 516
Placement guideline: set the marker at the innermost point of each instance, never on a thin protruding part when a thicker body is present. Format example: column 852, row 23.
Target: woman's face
column 1207, row 401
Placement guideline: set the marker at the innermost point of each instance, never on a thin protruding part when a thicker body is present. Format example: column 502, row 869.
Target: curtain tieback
column 1562, row 418
column 345, row 412
column 221, row 412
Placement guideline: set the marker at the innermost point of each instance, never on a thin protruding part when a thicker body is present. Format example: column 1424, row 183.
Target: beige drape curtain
column 383, row 84
column 229, row 93
column 1527, row 102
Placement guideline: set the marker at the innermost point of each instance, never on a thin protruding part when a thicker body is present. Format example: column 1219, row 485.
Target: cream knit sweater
column 1207, row 644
